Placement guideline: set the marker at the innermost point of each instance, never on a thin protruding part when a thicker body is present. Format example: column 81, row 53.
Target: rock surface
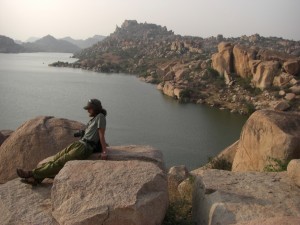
column 293, row 171
column 268, row 134
column 20, row 204
column 4, row 134
column 265, row 73
column 286, row 220
column 111, row 193
column 221, row 61
column 34, row 141
column 223, row 197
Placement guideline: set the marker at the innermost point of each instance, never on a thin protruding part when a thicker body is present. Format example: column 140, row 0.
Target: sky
column 21, row 19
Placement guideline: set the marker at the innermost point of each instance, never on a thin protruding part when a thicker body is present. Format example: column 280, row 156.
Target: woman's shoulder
column 101, row 116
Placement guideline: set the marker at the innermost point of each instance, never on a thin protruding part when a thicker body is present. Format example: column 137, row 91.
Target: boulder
column 128, row 153
column 177, row 174
column 292, row 67
column 222, row 61
column 109, row 192
column 242, row 57
column 35, row 140
column 160, row 86
column 265, row 73
column 177, row 92
column 223, row 197
column 22, row 204
column 295, row 89
column 282, row 79
column 290, row 96
column 267, row 134
column 293, row 171
column 4, row 134
column 281, row 105
column 272, row 55
column 168, row 89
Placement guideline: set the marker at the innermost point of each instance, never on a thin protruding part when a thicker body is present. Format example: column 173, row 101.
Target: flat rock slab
column 110, row 193
column 21, row 204
column 129, row 152
column 224, row 197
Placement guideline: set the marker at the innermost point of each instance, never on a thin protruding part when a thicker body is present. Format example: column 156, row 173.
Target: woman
column 92, row 140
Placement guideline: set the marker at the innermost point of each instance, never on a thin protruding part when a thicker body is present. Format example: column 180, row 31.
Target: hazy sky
column 21, row 19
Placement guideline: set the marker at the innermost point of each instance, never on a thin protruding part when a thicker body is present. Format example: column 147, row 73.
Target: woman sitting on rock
column 92, row 140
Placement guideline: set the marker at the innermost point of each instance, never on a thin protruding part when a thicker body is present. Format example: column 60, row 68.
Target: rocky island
column 241, row 74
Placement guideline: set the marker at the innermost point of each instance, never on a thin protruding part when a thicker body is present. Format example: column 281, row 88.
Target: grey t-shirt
column 91, row 132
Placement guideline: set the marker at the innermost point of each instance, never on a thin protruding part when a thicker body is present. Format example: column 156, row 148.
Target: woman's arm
column 103, row 143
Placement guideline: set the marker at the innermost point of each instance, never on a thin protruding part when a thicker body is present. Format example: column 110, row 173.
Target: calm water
column 137, row 113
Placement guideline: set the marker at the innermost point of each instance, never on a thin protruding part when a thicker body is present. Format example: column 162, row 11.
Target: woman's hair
column 100, row 109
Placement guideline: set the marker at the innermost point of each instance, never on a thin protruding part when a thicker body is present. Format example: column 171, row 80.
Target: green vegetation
column 219, row 163
column 276, row 165
column 250, row 107
column 180, row 207
column 187, row 93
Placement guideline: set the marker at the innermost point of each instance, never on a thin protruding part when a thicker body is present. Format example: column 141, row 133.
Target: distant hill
column 85, row 43
column 7, row 45
column 50, row 44
column 32, row 39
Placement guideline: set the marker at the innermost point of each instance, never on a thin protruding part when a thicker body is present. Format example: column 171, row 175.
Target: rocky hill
column 85, row 43
column 7, row 45
column 188, row 68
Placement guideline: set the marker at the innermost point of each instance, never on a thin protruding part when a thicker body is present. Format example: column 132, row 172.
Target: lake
column 137, row 113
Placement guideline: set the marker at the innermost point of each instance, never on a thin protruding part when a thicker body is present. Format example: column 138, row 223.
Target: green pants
column 75, row 151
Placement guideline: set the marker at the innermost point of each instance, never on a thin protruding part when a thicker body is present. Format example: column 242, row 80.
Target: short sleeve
column 101, row 121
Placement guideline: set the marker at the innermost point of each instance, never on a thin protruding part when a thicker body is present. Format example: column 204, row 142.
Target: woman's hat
column 93, row 104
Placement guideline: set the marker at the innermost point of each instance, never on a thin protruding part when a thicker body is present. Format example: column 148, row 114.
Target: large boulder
column 110, row 192
column 268, row 135
column 168, row 89
column 293, row 171
column 22, row 204
column 223, row 197
column 265, row 73
column 242, row 58
column 292, row 67
column 223, row 60
column 284, row 220
column 272, row 55
column 32, row 142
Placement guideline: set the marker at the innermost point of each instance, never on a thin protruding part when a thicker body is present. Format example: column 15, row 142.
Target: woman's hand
column 104, row 155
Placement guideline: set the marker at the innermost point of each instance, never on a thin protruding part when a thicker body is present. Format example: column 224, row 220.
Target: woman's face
column 91, row 112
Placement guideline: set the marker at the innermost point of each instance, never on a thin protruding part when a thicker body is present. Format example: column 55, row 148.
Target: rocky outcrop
column 35, row 140
column 223, row 197
column 108, row 192
column 242, row 57
column 265, row 73
column 292, row 67
column 293, row 171
column 260, row 65
column 267, row 135
column 222, row 61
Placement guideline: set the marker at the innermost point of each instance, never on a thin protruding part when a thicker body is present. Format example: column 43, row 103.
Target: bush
column 219, row 163
column 186, row 93
column 276, row 165
column 179, row 213
column 250, row 107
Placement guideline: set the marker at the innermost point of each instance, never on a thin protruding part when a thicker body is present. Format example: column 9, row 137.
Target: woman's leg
column 76, row 151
